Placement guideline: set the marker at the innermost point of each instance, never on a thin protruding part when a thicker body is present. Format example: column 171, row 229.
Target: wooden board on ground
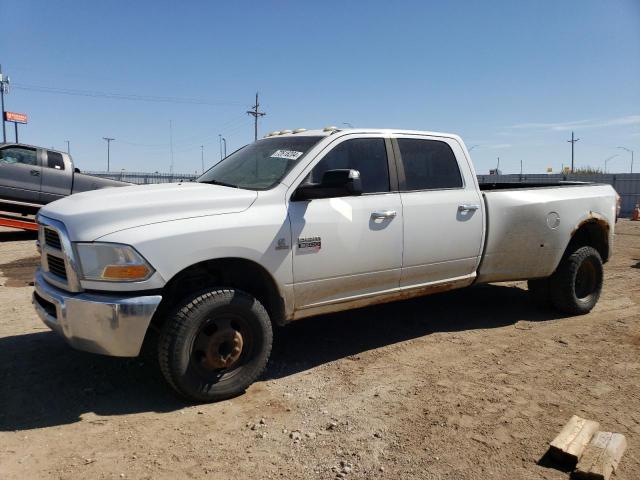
column 601, row 457
column 573, row 439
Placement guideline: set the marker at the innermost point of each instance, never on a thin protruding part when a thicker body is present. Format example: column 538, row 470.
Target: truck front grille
column 52, row 238
column 57, row 258
column 57, row 267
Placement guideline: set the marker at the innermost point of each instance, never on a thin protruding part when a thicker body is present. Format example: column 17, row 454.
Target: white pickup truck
column 299, row 224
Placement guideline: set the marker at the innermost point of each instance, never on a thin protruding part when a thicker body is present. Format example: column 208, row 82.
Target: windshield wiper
column 218, row 182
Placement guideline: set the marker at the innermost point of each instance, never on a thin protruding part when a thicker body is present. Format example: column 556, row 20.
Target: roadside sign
column 15, row 117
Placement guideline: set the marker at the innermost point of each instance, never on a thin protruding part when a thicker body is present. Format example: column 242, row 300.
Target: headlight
column 112, row 262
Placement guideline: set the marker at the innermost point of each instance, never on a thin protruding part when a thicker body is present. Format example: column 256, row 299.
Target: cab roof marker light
column 299, row 130
column 330, row 128
column 284, row 132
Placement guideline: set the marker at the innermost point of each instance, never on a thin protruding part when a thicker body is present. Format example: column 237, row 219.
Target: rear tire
column 577, row 282
column 214, row 345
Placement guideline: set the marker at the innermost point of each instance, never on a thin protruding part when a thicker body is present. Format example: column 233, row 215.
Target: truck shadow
column 314, row 341
column 46, row 383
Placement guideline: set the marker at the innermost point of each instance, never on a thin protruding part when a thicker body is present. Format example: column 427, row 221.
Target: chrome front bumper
column 97, row 323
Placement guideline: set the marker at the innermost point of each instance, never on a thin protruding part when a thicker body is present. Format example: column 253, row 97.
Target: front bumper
column 97, row 323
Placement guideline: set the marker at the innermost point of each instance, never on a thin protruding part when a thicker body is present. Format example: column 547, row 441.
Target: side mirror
column 335, row 183
column 76, row 170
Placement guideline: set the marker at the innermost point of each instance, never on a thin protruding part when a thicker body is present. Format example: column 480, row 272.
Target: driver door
column 348, row 247
column 20, row 173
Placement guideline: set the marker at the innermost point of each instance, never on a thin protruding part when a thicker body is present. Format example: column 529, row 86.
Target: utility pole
column 202, row 156
column 572, row 142
column 224, row 142
column 4, row 88
column 498, row 167
column 255, row 114
column 68, row 148
column 220, row 142
column 170, row 146
column 109, row 140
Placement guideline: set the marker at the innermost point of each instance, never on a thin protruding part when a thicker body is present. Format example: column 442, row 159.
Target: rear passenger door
column 20, row 173
column 442, row 211
column 56, row 177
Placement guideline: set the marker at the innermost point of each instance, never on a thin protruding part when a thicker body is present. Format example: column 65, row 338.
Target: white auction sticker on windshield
column 288, row 154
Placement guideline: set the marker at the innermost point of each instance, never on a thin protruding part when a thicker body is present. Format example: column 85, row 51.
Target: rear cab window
column 55, row 160
column 429, row 165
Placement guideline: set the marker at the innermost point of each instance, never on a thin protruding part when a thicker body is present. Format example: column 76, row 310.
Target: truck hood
column 91, row 215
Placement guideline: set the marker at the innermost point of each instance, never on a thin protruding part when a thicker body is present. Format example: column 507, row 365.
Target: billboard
column 15, row 117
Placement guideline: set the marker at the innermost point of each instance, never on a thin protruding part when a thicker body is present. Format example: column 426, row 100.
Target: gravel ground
column 464, row 385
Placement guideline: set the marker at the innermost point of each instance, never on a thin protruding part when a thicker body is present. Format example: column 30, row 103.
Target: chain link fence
column 143, row 178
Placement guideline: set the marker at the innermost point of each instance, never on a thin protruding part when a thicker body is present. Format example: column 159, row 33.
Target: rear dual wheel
column 576, row 284
column 215, row 345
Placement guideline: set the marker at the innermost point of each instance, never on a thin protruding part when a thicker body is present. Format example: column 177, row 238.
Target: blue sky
column 513, row 77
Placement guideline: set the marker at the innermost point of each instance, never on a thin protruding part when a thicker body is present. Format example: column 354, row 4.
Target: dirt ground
column 464, row 385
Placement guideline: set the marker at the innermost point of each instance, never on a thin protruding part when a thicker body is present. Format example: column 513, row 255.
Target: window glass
column 429, row 164
column 15, row 155
column 260, row 165
column 54, row 160
column 367, row 155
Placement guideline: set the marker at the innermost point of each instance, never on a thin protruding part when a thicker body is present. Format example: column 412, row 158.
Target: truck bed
column 527, row 185
column 528, row 226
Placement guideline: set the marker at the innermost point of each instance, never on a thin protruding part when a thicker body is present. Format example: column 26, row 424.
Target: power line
column 255, row 114
column 122, row 96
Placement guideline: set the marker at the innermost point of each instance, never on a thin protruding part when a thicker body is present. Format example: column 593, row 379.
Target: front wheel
column 576, row 285
column 215, row 345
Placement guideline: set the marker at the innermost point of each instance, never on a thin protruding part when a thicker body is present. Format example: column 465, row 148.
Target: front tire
column 577, row 283
column 214, row 345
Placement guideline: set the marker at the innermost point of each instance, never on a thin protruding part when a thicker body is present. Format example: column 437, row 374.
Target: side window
column 367, row 155
column 17, row 155
column 429, row 164
column 54, row 160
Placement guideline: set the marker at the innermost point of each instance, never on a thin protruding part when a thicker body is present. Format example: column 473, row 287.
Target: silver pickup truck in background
column 33, row 176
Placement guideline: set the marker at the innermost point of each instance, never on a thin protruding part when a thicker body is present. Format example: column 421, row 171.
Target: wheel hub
column 223, row 349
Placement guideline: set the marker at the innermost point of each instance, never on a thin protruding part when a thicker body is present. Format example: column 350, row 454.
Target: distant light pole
column 631, row 152
column 606, row 161
column 224, row 142
column 220, row 141
column 109, row 140
column 68, row 147
column 202, row 156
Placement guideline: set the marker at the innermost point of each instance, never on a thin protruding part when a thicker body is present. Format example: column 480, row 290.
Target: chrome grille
column 56, row 266
column 52, row 238
column 58, row 262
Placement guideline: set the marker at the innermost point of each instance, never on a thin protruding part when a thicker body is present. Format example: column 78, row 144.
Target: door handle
column 382, row 214
column 468, row 207
column 35, row 173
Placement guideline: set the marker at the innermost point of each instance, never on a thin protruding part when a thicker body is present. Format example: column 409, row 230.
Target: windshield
column 260, row 165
